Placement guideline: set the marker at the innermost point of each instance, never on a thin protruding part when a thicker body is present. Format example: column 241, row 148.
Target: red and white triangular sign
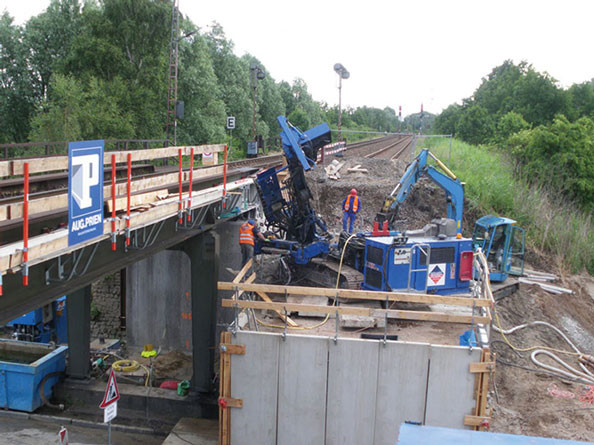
column 111, row 392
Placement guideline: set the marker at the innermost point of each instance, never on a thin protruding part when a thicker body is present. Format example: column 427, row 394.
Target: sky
column 398, row 53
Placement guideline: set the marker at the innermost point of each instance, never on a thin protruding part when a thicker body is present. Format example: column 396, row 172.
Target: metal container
column 23, row 365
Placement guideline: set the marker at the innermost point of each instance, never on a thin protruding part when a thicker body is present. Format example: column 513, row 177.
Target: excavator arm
column 453, row 188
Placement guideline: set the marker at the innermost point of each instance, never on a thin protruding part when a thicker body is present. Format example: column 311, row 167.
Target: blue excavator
column 498, row 237
column 434, row 259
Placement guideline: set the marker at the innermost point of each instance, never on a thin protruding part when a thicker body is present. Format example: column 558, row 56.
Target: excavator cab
column 503, row 244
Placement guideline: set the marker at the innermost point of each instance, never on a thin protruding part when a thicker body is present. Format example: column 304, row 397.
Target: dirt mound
column 425, row 202
column 173, row 365
column 528, row 402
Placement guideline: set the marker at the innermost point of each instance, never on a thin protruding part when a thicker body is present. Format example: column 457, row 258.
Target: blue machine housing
column 400, row 267
column 48, row 323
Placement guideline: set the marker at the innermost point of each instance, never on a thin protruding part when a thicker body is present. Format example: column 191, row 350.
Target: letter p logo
column 85, row 174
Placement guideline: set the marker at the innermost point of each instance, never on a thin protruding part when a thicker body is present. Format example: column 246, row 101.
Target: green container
column 183, row 387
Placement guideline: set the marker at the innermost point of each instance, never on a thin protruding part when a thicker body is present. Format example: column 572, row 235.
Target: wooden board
column 255, row 381
column 302, row 390
column 137, row 200
column 368, row 312
column 450, row 389
column 402, row 385
column 359, row 294
column 40, row 205
column 54, row 163
column 352, row 386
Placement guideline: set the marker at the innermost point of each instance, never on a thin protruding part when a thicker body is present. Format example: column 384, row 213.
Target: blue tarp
column 432, row 435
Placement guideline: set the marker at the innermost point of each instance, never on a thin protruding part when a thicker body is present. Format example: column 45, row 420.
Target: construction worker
column 247, row 233
column 351, row 206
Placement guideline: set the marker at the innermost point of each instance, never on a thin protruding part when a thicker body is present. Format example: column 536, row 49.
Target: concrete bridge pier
column 78, row 318
column 204, row 253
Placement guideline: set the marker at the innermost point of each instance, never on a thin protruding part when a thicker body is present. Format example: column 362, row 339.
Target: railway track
column 387, row 147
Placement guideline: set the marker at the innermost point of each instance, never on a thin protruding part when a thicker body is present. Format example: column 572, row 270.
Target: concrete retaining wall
column 312, row 390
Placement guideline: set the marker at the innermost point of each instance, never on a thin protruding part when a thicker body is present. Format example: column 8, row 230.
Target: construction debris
column 357, row 169
column 548, row 287
column 332, row 170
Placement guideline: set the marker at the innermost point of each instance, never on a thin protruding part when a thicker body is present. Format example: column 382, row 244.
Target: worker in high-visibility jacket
column 351, row 206
column 247, row 235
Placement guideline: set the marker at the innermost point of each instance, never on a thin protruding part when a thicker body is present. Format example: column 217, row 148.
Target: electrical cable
column 571, row 372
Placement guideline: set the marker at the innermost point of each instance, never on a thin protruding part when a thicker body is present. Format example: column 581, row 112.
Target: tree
column 205, row 117
column 233, row 80
column 509, row 124
column 475, row 125
column 448, row 120
column 17, row 101
column 77, row 111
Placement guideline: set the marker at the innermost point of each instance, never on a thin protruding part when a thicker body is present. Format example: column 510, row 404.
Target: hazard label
column 111, row 392
column 436, row 275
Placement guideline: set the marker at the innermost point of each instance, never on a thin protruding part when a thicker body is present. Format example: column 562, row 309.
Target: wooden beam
column 137, row 200
column 52, row 163
column 476, row 368
column 241, row 273
column 358, row 294
column 266, row 298
column 229, row 348
column 368, row 312
column 477, row 421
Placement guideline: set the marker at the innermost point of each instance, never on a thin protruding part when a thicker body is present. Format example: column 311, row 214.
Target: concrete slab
column 402, row 384
column 255, row 381
column 352, row 385
column 356, row 321
column 309, row 299
column 302, row 390
column 450, row 389
column 194, row 431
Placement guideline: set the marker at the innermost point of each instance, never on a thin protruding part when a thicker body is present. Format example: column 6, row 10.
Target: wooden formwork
column 481, row 302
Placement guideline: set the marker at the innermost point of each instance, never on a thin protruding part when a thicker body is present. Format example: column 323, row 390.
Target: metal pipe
column 190, row 187
column 129, row 180
column 180, row 205
column 225, row 178
column 113, row 202
column 443, row 166
column 26, row 227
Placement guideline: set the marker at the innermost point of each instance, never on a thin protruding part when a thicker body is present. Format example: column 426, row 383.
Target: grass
column 554, row 227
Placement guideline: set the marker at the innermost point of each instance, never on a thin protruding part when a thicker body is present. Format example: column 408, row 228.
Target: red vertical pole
column 190, row 189
column 225, row 179
column 26, row 228
column 128, row 199
column 179, row 212
column 113, row 202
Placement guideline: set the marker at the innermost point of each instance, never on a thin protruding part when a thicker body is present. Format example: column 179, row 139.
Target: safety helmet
column 251, row 222
column 353, row 191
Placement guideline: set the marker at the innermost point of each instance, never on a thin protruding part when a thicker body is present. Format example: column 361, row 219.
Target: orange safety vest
column 347, row 203
column 246, row 234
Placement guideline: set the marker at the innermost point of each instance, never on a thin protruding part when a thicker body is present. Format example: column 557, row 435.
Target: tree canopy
column 88, row 69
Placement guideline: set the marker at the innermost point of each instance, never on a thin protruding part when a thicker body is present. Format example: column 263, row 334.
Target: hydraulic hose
column 42, row 390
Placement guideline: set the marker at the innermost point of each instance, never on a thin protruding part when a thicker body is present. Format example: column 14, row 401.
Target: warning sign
column 111, row 392
column 436, row 275
column 402, row 256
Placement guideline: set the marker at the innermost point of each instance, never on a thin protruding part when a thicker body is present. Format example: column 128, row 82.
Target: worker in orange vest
column 247, row 233
column 351, row 206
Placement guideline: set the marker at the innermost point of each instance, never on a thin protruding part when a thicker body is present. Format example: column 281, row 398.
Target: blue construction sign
column 85, row 191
